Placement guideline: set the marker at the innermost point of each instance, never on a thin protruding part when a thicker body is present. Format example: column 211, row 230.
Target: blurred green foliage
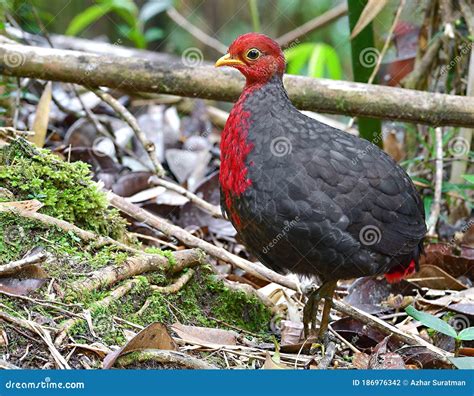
column 133, row 19
column 317, row 60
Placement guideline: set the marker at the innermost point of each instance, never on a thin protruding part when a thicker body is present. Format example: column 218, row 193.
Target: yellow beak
column 227, row 60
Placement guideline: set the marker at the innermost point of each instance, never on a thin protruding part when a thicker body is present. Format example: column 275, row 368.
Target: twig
column 343, row 340
column 68, row 227
column 195, row 31
column 16, row 266
column 8, row 366
column 314, row 24
column 128, row 117
column 176, row 286
column 187, row 238
column 39, row 302
column 42, row 332
column 466, row 10
column 380, row 57
column 388, row 329
column 387, row 42
column 114, row 295
column 134, row 266
column 163, row 357
column 213, row 210
column 422, row 66
column 436, row 207
column 460, row 166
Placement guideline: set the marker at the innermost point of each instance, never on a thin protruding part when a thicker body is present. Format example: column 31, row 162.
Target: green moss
column 204, row 299
column 66, row 189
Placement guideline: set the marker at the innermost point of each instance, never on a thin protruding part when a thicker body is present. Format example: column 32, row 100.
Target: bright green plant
column 443, row 327
column 317, row 60
column 134, row 20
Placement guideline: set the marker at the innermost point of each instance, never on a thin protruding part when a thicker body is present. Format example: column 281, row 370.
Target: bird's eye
column 253, row 54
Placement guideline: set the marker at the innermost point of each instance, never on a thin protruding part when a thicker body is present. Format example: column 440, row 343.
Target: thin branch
column 436, row 207
column 128, row 117
column 320, row 95
column 177, row 285
column 172, row 358
column 422, row 65
column 134, row 266
column 85, row 235
column 314, row 24
column 42, row 332
column 114, row 295
column 188, row 239
column 386, row 328
column 16, row 266
column 195, row 31
column 387, row 42
column 213, row 210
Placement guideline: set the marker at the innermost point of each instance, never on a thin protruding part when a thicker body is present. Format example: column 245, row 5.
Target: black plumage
column 321, row 201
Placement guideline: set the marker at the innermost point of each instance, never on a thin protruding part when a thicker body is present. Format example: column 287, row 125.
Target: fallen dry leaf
column 291, row 332
column 270, row 364
column 382, row 358
column 433, row 277
column 40, row 123
column 154, row 336
column 205, row 336
column 30, row 205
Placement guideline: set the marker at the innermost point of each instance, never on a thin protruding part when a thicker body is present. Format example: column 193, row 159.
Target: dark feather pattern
column 320, row 201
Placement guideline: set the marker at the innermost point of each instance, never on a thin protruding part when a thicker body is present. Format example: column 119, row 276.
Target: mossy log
column 135, row 74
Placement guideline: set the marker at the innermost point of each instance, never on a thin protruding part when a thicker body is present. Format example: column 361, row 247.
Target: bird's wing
column 353, row 186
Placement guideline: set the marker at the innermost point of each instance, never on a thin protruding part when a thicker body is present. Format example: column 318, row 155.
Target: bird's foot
column 310, row 312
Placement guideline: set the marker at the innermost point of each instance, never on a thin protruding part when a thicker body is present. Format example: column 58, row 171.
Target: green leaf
column 467, row 334
column 297, row 57
column 469, row 178
column 153, row 34
column 87, row 17
column 431, row 321
column 324, row 62
column 152, row 8
column 137, row 37
column 463, row 363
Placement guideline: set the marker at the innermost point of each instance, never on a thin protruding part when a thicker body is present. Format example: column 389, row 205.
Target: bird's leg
column 310, row 310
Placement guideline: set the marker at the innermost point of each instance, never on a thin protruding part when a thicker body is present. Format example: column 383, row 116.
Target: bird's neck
column 235, row 145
